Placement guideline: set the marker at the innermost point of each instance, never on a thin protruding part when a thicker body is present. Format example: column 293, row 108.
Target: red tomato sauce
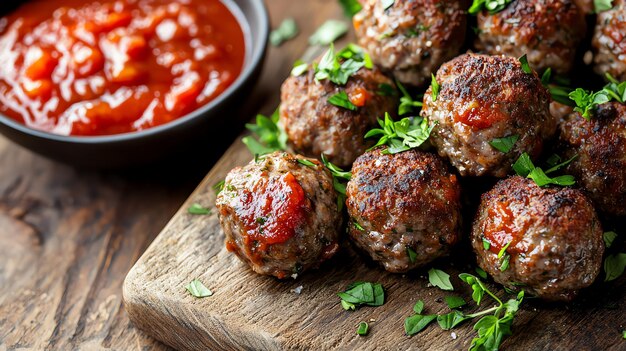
column 479, row 116
column 76, row 67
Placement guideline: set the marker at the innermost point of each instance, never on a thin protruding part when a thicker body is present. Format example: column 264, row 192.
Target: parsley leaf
column 341, row 99
column 408, row 133
column 481, row 273
column 454, row 301
column 524, row 167
column 305, row 162
column 197, row 209
column 412, row 254
column 486, row 244
column 493, row 6
column 417, row 322
column 332, row 68
column 271, row 136
column 614, row 266
column 218, row 187
column 505, row 144
column 609, row 237
column 328, row 32
column 586, row 101
column 440, row 279
column 450, row 320
column 285, row 31
column 350, row 7
column 434, row 86
column 615, row 89
column 407, row 104
column 299, row 68
column 419, row 307
column 525, row 66
column 363, row 329
column 197, row 289
column 340, row 178
column 602, row 5
column 362, row 293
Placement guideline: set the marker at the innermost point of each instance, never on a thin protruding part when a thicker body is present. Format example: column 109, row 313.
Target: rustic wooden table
column 68, row 237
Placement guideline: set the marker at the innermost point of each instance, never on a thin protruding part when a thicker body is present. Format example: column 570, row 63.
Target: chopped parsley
column 587, row 101
column 341, row 99
column 454, row 302
column 218, row 187
column 493, row 6
column 340, row 178
column 609, row 237
column 440, row 279
column 357, row 225
column 405, row 134
column 363, row 329
column 434, row 86
column 328, row 32
column 481, row 273
column 271, row 136
column 602, row 5
column 338, row 68
column 486, row 244
column 614, row 266
column 350, row 7
column 299, row 68
column 417, row 322
column 525, row 66
column 288, row 29
column 197, row 289
column 505, row 144
column 362, row 294
column 197, row 209
column 305, row 162
column 524, row 167
column 418, row 307
column 407, row 104
column 412, row 254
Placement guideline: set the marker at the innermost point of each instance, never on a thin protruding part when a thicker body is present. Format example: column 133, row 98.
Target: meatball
column 600, row 144
column 547, row 31
column 585, row 6
column 608, row 41
column 404, row 208
column 315, row 126
column 412, row 38
column 482, row 98
column 279, row 214
column 550, row 238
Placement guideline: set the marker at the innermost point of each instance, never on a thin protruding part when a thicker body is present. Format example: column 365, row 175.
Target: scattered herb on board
column 328, row 32
column 342, row 100
column 271, row 136
column 362, row 294
column 505, row 144
column 197, row 289
column 609, row 237
column 288, row 29
column 454, row 302
column 197, row 209
column 340, row 178
column 440, row 279
column 363, row 329
column 493, row 6
column 405, row 134
column 614, row 266
column 417, row 322
column 350, row 7
column 524, row 167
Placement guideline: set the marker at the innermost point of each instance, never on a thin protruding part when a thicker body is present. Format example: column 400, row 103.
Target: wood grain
column 253, row 312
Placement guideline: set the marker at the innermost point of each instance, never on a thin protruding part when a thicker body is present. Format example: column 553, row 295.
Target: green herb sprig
column 271, row 136
column 197, row 289
column 338, row 68
column 405, row 134
column 587, row 101
column 340, row 178
column 350, row 7
column 440, row 279
column 493, row 6
column 407, row 103
column 362, row 294
column 524, row 167
column 197, row 209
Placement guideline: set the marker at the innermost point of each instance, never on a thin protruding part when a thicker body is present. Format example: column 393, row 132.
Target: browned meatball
column 483, row 98
column 553, row 235
column 412, row 38
column 600, row 143
column 279, row 215
column 547, row 31
column 609, row 41
column 315, row 126
column 585, row 6
column 404, row 208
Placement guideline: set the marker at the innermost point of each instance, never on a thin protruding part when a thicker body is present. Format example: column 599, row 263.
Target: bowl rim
column 250, row 65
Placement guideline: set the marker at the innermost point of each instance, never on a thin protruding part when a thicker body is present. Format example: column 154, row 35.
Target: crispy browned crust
column 512, row 103
column 314, row 126
column 556, row 237
column 403, row 200
column 609, row 41
column 547, row 31
column 600, row 143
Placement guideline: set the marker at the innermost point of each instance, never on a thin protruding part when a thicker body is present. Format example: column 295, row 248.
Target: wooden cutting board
column 248, row 311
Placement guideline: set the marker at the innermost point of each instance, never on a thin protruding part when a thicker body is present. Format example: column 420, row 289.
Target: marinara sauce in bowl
column 113, row 82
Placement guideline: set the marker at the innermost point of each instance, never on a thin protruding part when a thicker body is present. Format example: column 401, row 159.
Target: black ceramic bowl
column 131, row 149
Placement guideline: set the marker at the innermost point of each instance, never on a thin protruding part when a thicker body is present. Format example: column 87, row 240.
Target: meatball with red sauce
column 404, row 208
column 609, row 41
column 482, row 98
column 547, row 31
column 411, row 38
column 314, row 126
column 546, row 241
column 599, row 145
column 279, row 214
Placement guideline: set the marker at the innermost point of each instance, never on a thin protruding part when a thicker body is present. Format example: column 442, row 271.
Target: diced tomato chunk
column 38, row 63
column 359, row 96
